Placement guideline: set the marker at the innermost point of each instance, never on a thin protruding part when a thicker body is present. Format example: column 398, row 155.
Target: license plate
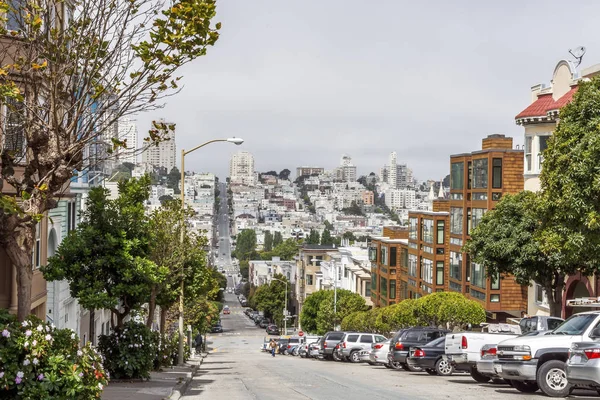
column 498, row 369
column 363, row 353
column 575, row 359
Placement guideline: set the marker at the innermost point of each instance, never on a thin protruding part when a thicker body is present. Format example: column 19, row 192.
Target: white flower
column 24, row 323
column 26, row 362
column 34, row 343
column 79, row 353
column 26, row 344
column 72, row 336
column 20, row 374
column 35, row 361
column 40, row 328
column 100, row 386
column 48, row 337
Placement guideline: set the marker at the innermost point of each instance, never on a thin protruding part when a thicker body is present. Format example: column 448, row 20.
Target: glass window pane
column 392, row 289
column 457, row 175
column 427, row 230
column 480, row 173
column 456, row 265
column 440, row 232
column 412, row 228
column 497, row 173
column 456, row 220
column 439, row 267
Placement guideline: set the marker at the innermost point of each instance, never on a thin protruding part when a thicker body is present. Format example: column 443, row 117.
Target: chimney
column 497, row 141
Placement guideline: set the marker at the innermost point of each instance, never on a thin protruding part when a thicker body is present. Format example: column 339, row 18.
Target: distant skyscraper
column 241, row 168
column 346, row 171
column 129, row 133
column 163, row 155
column 393, row 171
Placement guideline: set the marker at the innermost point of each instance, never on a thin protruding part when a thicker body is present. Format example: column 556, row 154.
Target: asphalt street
column 236, row 368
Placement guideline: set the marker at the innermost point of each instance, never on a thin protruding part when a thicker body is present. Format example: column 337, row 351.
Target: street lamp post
column 286, row 305
column 236, row 141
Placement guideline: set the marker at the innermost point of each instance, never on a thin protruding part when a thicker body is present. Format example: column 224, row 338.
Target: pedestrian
column 273, row 346
column 198, row 343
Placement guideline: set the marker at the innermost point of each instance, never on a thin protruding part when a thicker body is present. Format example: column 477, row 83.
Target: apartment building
column 241, row 169
column 388, row 254
column 308, row 171
column 478, row 180
column 539, row 120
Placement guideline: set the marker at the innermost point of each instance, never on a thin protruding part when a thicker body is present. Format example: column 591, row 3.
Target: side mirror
column 595, row 333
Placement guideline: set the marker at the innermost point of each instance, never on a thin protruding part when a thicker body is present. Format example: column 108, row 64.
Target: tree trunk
column 554, row 292
column 93, row 327
column 20, row 252
column 151, row 307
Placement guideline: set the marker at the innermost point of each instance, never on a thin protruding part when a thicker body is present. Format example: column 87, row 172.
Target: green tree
column 328, row 225
column 244, row 269
column 313, row 237
column 310, row 309
column 268, row 242
column 245, row 244
column 354, row 209
column 271, row 299
column 173, row 179
column 326, row 239
column 347, row 303
column 277, row 239
column 165, row 198
column 507, row 241
column 105, row 258
column 286, row 250
column 71, row 86
column 284, row 174
column 349, row 235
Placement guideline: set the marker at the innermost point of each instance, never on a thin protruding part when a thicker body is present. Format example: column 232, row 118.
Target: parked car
column 353, row 343
column 378, row 353
column 429, row 357
column 583, row 366
column 282, row 345
column 540, row 362
column 226, row 311
column 327, row 345
column 293, row 343
column 264, row 323
column 314, row 348
column 485, row 365
column 272, row 329
column 405, row 339
column 217, row 328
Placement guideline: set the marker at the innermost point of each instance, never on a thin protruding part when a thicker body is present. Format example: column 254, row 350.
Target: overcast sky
column 303, row 82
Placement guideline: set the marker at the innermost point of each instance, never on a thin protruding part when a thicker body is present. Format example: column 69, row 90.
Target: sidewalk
column 171, row 383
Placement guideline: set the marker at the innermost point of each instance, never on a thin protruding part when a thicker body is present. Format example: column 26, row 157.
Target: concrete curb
column 180, row 388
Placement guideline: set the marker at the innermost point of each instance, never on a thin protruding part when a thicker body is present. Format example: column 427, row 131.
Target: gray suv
column 327, row 345
column 354, row 342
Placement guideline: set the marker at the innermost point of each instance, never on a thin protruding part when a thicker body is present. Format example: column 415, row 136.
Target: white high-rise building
column 393, row 171
column 241, row 168
column 346, row 171
column 128, row 132
column 163, row 155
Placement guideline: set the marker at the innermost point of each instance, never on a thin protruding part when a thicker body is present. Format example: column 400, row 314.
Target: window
column 439, row 272
column 71, row 215
column 366, row 338
column 469, row 221
column 456, row 241
column 352, row 338
column 412, row 228
column 495, row 282
column 480, row 173
column 456, row 265
column 494, row 298
column 478, row 295
column 457, row 176
column 367, row 290
column 413, row 245
column 427, row 230
column 456, row 196
column 439, row 250
column 309, row 279
column 496, row 173
column 412, row 265
column 428, row 249
column 469, row 175
column 14, row 16
column 392, row 289
column 441, row 225
column 477, row 275
column 477, row 214
column 379, row 339
column 393, row 256
column 540, row 296
column 404, row 255
column 373, row 254
column 383, row 287
column 37, row 247
column 456, row 220
column 543, row 146
column 14, row 134
column 553, row 323
column 384, row 255
column 427, row 270
column 528, row 142
column 374, row 283
column 496, row 196
column 456, row 287
column 479, row 196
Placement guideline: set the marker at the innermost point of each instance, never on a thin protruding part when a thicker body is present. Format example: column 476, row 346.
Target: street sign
column 300, row 333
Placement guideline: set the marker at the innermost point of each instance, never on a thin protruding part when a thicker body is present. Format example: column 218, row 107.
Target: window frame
column 456, row 220
column 456, row 265
column 480, row 173
column 440, row 231
column 496, row 173
column 457, row 175
column 528, row 153
column 439, row 273
column 427, row 270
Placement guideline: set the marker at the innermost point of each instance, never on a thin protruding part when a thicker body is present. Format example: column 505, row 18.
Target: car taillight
column 324, row 345
column 463, row 343
column 592, row 353
column 399, row 346
column 289, row 346
column 344, row 345
column 419, row 353
column 378, row 346
column 491, row 351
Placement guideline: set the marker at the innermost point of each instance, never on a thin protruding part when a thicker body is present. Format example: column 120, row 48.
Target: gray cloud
column 304, row 82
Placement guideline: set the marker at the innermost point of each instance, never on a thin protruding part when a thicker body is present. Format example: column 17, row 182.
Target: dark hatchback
column 272, row 329
column 429, row 358
column 330, row 340
column 405, row 339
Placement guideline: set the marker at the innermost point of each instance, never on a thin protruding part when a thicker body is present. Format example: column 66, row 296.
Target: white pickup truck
column 463, row 349
column 539, row 362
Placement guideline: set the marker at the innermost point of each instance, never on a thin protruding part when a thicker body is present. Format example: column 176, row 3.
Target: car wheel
column 336, row 357
column 524, row 387
column 443, row 367
column 478, row 376
column 372, row 363
column 387, row 365
column 412, row 368
column 354, row 357
column 431, row 371
column 295, row 352
column 396, row 365
column 552, row 379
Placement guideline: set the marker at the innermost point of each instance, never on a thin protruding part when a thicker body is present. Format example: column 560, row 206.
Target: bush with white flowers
column 38, row 361
column 129, row 352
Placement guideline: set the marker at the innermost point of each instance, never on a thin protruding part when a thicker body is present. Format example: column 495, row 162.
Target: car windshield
column 437, row 342
column 575, row 325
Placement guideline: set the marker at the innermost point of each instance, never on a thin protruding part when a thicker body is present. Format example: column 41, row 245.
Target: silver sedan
column 379, row 353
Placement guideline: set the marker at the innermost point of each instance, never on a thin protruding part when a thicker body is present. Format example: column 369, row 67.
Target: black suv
column 404, row 339
column 330, row 339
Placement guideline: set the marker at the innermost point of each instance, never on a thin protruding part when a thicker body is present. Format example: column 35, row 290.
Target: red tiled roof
column 546, row 103
column 539, row 107
column 566, row 99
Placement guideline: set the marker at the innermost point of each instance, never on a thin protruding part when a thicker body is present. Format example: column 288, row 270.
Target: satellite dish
column 578, row 53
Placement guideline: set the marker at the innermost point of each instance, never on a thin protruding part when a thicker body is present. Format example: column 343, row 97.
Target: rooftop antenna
column 578, row 53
